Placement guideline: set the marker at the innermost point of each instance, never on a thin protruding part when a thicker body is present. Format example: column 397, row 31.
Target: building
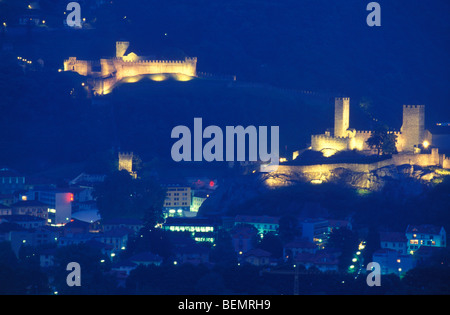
column 428, row 235
column 59, row 204
column 201, row 229
column 392, row 262
column 198, row 197
column 315, row 230
column 5, row 210
column 394, row 241
column 117, row 238
column 103, row 75
column 31, row 208
column 131, row 224
column 32, row 237
column 25, row 221
column 177, row 201
column 258, row 257
column 411, row 138
column 323, row 260
column 126, row 163
column 264, row 224
column 299, row 246
column 146, row 259
column 11, row 181
column 243, row 238
column 194, row 254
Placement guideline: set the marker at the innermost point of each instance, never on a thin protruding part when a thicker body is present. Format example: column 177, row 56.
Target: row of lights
column 24, row 60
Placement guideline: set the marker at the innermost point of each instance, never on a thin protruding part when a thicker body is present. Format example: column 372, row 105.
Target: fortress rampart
column 122, row 66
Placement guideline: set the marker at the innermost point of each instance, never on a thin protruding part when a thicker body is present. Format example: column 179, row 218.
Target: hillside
column 273, row 47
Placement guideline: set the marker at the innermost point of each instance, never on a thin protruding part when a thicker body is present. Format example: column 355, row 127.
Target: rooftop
column 393, row 237
column 29, row 203
column 256, row 219
column 424, row 228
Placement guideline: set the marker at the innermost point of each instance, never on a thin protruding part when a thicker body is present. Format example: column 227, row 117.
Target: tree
column 272, row 244
column 346, row 241
column 383, row 141
column 122, row 196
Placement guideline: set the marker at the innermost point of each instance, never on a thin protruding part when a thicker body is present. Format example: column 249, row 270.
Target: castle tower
column 341, row 116
column 126, row 162
column 121, row 48
column 413, row 127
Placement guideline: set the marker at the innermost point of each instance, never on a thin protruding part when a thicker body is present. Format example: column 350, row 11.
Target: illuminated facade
column 178, row 200
column 32, row 208
column 411, row 136
column 425, row 235
column 126, row 163
column 201, row 229
column 104, row 74
column 58, row 203
column 264, row 224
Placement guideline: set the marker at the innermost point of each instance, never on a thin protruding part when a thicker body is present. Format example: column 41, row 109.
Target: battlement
column 413, row 106
column 74, row 60
column 363, row 132
column 126, row 154
column 342, row 98
column 325, row 137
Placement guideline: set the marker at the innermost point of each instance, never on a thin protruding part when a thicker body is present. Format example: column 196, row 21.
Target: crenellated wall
column 123, row 66
column 321, row 142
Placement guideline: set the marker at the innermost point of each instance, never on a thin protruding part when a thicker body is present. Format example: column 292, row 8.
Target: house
column 243, row 238
column 299, row 246
column 131, row 224
column 193, row 254
column 76, row 227
column 31, row 208
column 426, row 234
column 264, row 224
column 146, row 259
column 33, row 237
column 394, row 240
column 334, row 225
column 392, row 262
column 11, row 181
column 25, row 221
column 258, row 257
column 76, row 239
column 323, row 260
column 5, row 210
column 117, row 238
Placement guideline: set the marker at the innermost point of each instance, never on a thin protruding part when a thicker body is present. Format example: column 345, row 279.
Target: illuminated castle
column 126, row 163
column 411, row 137
column 104, row 74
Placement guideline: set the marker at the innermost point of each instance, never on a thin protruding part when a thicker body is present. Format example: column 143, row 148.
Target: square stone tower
column 121, row 48
column 126, row 163
column 413, row 127
column 341, row 116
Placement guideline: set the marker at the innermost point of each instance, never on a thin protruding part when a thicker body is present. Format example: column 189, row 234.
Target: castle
column 126, row 163
column 411, row 138
column 104, row 74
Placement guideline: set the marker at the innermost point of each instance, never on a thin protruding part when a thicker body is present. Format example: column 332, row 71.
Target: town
column 135, row 142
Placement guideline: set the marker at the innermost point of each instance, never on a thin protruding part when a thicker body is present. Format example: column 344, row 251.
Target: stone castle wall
column 110, row 71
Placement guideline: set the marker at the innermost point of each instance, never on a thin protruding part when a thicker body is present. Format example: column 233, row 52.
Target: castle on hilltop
column 104, row 74
column 411, row 138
